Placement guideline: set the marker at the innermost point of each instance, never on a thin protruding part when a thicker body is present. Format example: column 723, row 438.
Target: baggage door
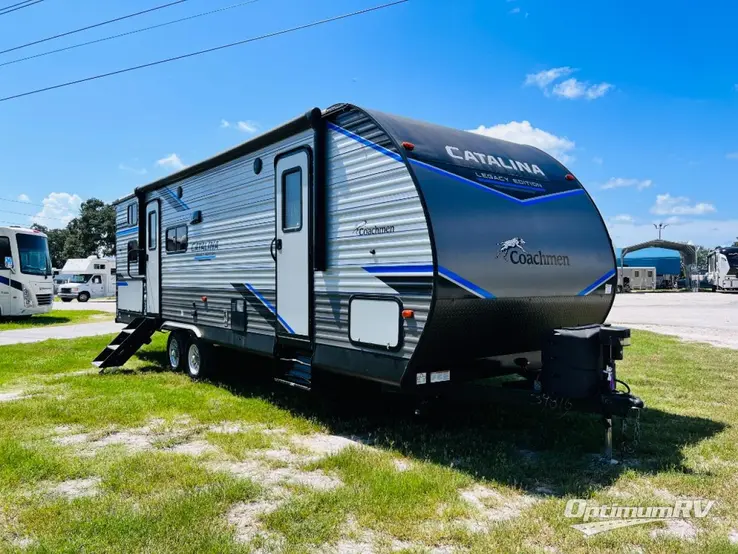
column 290, row 248
column 153, row 250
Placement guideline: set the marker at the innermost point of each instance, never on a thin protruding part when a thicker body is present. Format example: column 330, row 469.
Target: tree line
column 92, row 232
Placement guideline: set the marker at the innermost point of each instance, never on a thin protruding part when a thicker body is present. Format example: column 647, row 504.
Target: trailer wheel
column 176, row 350
column 83, row 297
column 199, row 359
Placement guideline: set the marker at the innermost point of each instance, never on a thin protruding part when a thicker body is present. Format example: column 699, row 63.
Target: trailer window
column 152, row 230
column 131, row 246
column 132, row 214
column 177, row 239
column 292, row 200
column 637, row 273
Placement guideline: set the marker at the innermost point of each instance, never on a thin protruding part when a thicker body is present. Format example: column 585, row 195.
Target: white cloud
column 135, row 170
column 544, row 78
column 574, row 89
column 59, row 209
column 523, row 132
column 679, row 205
column 248, row 126
column 23, row 198
column 619, row 182
column 172, row 162
column 732, row 155
column 514, row 10
column 708, row 233
column 597, row 160
column 622, row 218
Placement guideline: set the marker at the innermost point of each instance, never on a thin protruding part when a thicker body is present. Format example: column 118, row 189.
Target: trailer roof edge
column 296, row 125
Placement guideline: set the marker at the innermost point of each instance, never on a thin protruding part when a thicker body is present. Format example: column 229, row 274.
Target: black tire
column 714, row 289
column 66, row 299
column 177, row 344
column 200, row 359
column 83, row 297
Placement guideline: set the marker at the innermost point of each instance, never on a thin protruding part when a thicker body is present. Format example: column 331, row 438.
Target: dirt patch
column 230, row 427
column 265, row 475
column 245, row 517
column 325, row 445
column 194, row 448
column 402, row 465
column 677, row 528
column 287, row 456
column 491, row 506
column 12, row 395
column 75, row 488
column 733, row 536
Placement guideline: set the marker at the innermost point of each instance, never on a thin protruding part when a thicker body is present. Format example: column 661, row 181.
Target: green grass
column 163, row 501
column 56, row 317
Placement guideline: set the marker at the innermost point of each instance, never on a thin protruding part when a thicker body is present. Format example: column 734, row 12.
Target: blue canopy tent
column 666, row 262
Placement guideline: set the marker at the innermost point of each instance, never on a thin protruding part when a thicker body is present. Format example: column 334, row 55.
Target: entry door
column 96, row 286
column 291, row 245
column 153, row 253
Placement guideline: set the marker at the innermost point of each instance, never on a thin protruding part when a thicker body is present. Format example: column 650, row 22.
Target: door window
column 97, row 280
column 153, row 231
column 292, row 200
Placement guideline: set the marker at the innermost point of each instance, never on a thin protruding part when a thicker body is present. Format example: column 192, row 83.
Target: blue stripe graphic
column 126, row 232
column 598, row 283
column 376, row 269
column 203, row 258
column 459, row 280
column 269, row 307
column 4, row 281
column 394, row 155
column 121, row 283
column 175, row 200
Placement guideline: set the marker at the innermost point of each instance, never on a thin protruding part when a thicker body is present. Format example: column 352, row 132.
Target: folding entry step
column 296, row 371
column 137, row 333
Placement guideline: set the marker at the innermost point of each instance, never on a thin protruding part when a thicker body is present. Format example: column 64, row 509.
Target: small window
column 177, row 239
column 132, row 247
column 4, row 250
column 99, row 266
column 650, row 274
column 292, row 200
column 97, row 280
column 112, row 271
column 152, row 230
column 132, row 214
column 637, row 273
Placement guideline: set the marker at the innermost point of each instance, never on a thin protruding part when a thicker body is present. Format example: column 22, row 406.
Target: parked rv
column 85, row 278
column 722, row 269
column 636, row 278
column 355, row 242
column 25, row 272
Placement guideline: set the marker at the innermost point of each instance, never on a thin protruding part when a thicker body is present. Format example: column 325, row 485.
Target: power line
column 20, row 202
column 91, row 26
column 19, row 6
column 31, row 215
column 126, row 34
column 198, row 53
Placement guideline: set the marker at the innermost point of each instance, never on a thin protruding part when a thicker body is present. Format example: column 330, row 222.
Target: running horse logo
column 509, row 245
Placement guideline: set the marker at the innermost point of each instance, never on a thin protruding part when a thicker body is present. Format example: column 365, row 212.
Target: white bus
column 722, row 272
column 26, row 284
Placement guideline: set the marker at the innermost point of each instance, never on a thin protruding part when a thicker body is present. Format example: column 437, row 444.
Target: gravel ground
column 699, row 317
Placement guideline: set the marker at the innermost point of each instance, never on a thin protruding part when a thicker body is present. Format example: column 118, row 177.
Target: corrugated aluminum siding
column 238, row 211
column 125, row 233
column 366, row 185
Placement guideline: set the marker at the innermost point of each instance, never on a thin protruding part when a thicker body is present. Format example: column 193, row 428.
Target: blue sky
column 638, row 98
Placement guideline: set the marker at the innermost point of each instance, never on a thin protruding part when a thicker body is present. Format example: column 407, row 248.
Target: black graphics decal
column 204, row 246
column 362, row 229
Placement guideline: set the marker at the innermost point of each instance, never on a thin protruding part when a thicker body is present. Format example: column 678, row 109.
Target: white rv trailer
column 636, row 278
column 26, row 286
column 722, row 269
column 355, row 242
column 85, row 278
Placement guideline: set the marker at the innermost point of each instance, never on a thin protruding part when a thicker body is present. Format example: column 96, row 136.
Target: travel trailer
column 722, row 269
column 85, row 278
column 26, row 286
column 354, row 242
column 636, row 278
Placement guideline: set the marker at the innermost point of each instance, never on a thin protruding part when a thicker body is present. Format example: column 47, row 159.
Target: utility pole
column 661, row 227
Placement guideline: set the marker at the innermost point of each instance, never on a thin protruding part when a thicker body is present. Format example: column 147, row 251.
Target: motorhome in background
column 26, row 286
column 722, row 269
column 85, row 278
column 636, row 278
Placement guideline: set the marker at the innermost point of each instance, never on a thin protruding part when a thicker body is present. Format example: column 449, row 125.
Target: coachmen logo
column 362, row 229
column 512, row 251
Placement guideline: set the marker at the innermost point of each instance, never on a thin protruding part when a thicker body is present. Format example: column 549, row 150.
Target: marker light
column 204, row 298
column 569, row 177
column 408, row 146
column 408, row 314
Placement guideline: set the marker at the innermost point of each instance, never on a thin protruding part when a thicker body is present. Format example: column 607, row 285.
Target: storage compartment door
column 375, row 322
